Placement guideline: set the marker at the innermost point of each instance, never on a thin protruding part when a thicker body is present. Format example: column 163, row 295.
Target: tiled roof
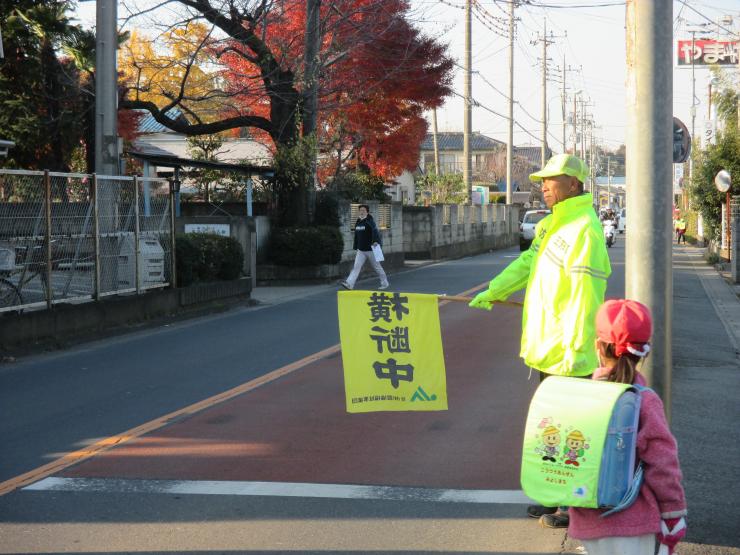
column 532, row 153
column 148, row 124
column 454, row 141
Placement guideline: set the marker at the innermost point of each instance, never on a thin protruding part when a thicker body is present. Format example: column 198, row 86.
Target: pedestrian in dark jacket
column 366, row 237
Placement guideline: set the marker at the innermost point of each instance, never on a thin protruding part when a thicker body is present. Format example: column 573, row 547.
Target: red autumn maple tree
column 378, row 75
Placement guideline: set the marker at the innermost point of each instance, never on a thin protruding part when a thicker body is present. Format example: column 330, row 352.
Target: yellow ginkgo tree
column 172, row 70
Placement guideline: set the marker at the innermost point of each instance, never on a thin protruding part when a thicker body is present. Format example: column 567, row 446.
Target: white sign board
column 218, row 229
column 677, row 178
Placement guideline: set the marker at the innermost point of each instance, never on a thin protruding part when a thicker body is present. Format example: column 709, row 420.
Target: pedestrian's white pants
column 360, row 258
column 636, row 545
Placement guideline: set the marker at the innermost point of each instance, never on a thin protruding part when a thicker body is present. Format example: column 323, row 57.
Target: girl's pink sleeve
column 658, row 450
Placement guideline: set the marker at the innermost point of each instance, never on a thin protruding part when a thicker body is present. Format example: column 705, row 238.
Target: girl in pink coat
column 623, row 330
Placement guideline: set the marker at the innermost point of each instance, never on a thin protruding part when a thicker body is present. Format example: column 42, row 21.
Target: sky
column 588, row 39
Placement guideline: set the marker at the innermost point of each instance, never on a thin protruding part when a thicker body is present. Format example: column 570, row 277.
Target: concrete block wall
column 392, row 237
column 481, row 228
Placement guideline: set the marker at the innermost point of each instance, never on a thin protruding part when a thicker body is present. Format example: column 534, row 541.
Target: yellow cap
column 563, row 164
column 577, row 435
column 550, row 430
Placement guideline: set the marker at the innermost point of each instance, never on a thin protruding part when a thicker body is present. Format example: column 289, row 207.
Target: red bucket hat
column 626, row 324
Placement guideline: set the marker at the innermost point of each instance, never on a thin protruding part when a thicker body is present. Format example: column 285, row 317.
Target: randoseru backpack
column 580, row 444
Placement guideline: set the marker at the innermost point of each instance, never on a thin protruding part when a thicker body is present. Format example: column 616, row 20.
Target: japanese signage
column 218, row 229
column 391, row 352
column 708, row 52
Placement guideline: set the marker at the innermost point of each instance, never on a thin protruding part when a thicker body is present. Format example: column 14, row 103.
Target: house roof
column 454, row 141
column 233, row 151
column 617, row 180
column 163, row 158
column 147, row 124
column 533, row 154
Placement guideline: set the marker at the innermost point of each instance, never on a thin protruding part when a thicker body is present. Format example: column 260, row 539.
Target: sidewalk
column 276, row 294
column 706, row 381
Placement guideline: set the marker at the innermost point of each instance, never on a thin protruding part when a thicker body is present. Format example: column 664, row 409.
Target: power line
column 494, row 112
column 709, row 20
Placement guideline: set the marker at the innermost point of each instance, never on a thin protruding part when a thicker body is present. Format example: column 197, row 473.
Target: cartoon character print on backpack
column 548, row 440
column 550, row 444
column 575, row 447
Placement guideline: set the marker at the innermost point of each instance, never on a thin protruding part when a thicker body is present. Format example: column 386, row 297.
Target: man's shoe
column 384, row 286
column 555, row 520
column 345, row 285
column 536, row 511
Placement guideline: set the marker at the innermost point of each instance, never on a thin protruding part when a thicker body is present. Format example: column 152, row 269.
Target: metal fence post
column 173, row 258
column 96, row 234
column 136, row 235
column 47, row 237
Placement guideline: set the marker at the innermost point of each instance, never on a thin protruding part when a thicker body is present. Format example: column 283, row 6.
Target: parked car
column 526, row 227
column 622, row 225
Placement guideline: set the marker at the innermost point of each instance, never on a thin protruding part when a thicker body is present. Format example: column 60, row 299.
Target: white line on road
column 280, row 489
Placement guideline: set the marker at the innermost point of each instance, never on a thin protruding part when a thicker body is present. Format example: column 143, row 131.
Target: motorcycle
column 609, row 232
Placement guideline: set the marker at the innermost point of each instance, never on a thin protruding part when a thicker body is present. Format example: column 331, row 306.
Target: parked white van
column 622, row 225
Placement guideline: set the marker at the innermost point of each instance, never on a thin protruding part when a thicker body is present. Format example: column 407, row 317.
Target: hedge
column 306, row 246
column 205, row 257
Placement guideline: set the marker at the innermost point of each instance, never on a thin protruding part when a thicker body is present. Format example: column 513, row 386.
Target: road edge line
column 102, row 445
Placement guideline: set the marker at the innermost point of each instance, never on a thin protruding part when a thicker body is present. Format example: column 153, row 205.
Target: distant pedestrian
column 680, row 230
column 565, row 272
column 624, row 328
column 366, row 237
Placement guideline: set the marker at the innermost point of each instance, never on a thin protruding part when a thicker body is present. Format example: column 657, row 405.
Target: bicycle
column 27, row 262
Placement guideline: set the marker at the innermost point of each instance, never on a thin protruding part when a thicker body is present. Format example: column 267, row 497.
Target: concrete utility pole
column 510, row 141
column 311, row 88
column 434, row 139
column 543, row 154
column 565, row 70
column 583, row 129
column 575, row 123
column 545, row 41
column 649, row 157
column 468, row 93
column 608, row 181
column 106, row 88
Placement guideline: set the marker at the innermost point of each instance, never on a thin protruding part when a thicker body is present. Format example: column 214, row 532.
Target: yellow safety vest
column 565, row 271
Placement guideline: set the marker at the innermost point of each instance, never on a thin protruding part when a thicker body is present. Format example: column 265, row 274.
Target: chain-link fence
column 76, row 237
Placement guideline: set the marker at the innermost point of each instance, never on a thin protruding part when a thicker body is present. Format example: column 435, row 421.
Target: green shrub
column 203, row 257
column 327, row 209
column 712, row 258
column 306, row 246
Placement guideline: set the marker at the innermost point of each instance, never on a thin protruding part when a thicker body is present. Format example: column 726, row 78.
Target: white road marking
column 280, row 489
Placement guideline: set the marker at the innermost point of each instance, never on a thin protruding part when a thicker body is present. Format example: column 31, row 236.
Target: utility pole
column 565, row 70
column 434, row 139
column 106, row 88
column 510, row 141
column 575, row 124
column 468, row 93
column 591, row 164
column 583, row 129
column 608, row 181
column 649, row 157
column 545, row 41
column 310, row 101
column 543, row 155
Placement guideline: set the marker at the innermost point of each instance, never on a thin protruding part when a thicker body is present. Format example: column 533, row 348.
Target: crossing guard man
column 565, row 273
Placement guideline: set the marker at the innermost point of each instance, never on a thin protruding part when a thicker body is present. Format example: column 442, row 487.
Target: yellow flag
column 391, row 351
